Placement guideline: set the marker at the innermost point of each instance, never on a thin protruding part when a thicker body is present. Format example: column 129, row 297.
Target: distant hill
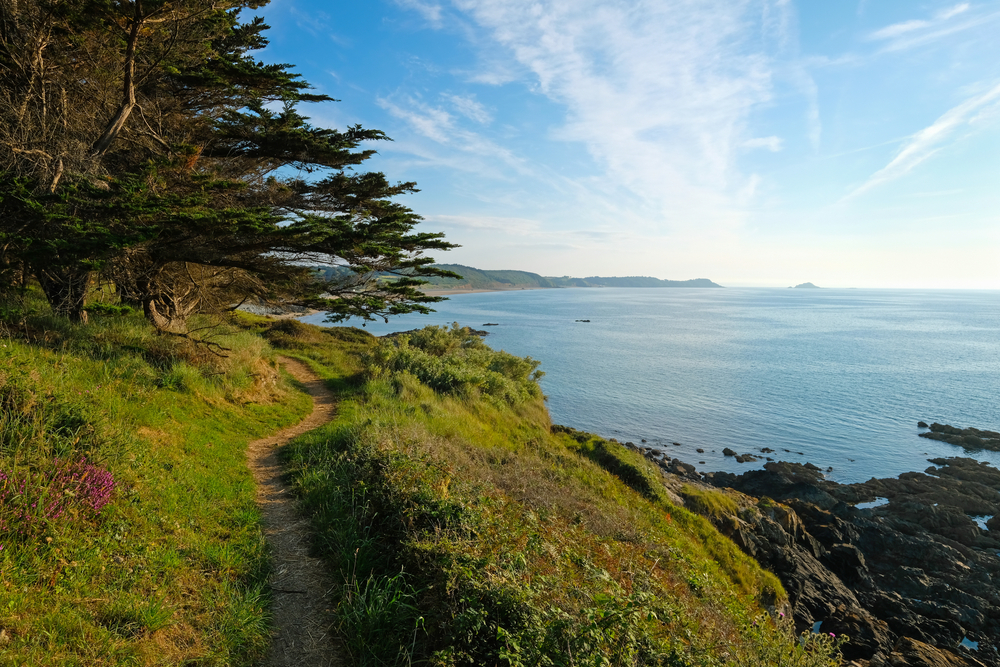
column 806, row 286
column 483, row 279
column 646, row 281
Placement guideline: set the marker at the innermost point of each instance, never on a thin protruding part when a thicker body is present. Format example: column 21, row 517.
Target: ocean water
column 838, row 378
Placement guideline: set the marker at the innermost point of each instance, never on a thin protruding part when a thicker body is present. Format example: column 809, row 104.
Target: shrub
column 456, row 361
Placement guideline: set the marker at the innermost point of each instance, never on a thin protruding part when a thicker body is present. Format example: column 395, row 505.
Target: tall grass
column 170, row 567
column 466, row 530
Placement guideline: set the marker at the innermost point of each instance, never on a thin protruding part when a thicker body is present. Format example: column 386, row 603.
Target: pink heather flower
column 780, row 615
column 832, row 635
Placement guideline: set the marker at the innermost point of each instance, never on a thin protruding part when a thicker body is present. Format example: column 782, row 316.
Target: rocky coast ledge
column 908, row 568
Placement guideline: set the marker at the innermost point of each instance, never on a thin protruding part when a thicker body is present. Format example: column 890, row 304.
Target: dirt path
column 301, row 586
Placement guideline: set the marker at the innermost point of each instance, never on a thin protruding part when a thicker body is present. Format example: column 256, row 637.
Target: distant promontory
column 480, row 279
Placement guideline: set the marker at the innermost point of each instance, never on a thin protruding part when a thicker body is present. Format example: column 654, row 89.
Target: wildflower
column 832, row 635
column 781, row 615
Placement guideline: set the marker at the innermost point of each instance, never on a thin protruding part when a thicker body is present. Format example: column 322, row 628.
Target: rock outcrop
column 969, row 438
column 913, row 581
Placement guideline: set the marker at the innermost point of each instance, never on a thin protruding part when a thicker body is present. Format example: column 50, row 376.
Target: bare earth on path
column 300, row 584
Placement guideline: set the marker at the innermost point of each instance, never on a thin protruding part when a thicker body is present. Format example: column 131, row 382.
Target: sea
column 835, row 377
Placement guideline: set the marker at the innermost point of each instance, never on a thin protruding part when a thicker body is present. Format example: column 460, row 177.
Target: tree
column 139, row 139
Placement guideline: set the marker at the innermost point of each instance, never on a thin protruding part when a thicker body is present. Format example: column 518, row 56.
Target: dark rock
column 868, row 635
column 922, row 425
column 700, row 450
column 907, row 581
column 725, row 452
column 969, row 438
column 912, row 653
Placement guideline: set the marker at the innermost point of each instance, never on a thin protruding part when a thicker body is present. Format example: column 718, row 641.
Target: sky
column 752, row 142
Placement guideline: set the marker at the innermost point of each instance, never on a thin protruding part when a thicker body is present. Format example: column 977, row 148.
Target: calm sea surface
column 841, row 376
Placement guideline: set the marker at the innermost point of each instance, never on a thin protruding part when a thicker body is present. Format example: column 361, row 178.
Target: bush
column 456, row 361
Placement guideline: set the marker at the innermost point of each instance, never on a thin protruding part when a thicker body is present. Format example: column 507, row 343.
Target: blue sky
column 753, row 142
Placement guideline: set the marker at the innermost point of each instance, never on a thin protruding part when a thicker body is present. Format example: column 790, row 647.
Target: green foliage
column 470, row 278
column 467, row 532
column 709, row 502
column 146, row 142
column 173, row 570
column 456, row 361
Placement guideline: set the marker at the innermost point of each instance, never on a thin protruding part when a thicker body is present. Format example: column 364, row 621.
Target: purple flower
column 832, row 635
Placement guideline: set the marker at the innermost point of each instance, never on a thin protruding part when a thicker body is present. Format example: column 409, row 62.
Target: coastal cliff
column 460, row 525
column 911, row 579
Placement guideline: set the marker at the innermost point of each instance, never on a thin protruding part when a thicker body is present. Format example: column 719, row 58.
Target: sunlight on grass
column 468, row 530
column 173, row 568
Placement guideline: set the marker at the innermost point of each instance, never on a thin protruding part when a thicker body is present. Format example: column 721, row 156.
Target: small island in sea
column 806, row 286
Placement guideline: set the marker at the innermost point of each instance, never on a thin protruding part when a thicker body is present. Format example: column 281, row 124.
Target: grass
column 463, row 527
column 172, row 570
column 466, row 530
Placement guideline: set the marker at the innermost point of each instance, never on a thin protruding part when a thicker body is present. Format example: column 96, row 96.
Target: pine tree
column 140, row 140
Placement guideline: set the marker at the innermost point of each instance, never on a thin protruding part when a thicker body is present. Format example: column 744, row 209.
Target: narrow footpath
column 300, row 584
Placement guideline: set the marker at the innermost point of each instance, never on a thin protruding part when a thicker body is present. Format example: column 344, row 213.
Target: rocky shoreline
column 907, row 567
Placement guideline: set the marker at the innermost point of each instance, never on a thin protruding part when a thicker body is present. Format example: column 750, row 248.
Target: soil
column 301, row 609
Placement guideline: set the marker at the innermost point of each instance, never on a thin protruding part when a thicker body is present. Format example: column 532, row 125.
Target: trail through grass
column 464, row 529
column 172, row 570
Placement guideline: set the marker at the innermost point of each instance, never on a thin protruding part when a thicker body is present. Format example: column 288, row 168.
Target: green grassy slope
column 172, row 569
column 463, row 528
column 466, row 530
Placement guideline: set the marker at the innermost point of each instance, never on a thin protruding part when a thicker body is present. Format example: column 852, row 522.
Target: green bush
column 456, row 361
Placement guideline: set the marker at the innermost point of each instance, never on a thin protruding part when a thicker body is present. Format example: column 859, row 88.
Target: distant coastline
column 482, row 280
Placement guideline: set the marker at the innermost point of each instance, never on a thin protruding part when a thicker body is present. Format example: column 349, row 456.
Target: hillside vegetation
column 463, row 527
column 128, row 529
column 482, row 279
column 467, row 530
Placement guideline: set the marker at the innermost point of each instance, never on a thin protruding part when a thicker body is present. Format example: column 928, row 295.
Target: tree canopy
column 142, row 142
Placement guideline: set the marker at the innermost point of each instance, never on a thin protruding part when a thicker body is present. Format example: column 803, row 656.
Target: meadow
column 462, row 526
column 156, row 557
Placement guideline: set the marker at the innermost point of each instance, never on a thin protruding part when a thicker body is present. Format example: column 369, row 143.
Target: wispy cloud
column 470, row 107
column 916, row 32
column 507, row 225
column 430, row 11
column 773, row 144
column 897, row 29
column 443, row 129
column 946, row 14
column 931, row 139
column 660, row 93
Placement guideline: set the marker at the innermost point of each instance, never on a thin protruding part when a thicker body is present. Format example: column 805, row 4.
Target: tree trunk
column 128, row 103
column 66, row 291
column 168, row 304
